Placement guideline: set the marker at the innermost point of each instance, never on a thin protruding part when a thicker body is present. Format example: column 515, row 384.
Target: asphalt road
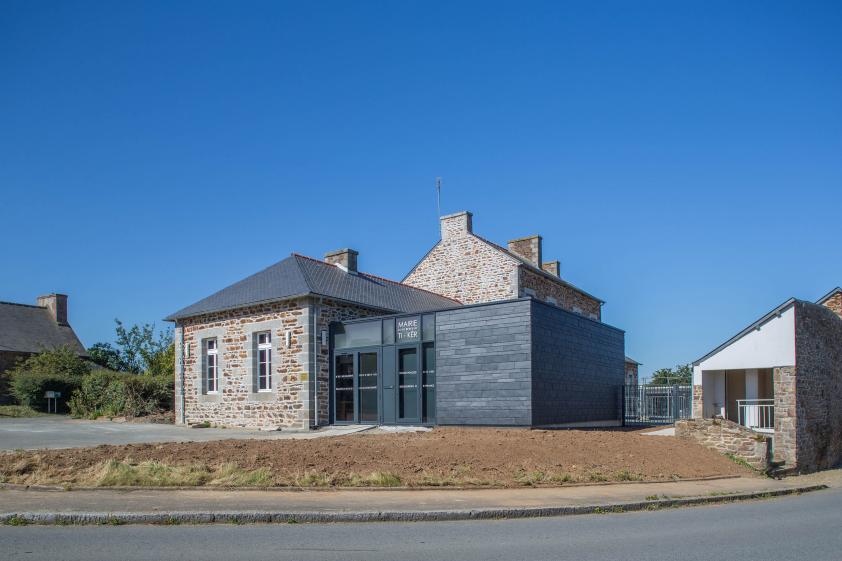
column 794, row 528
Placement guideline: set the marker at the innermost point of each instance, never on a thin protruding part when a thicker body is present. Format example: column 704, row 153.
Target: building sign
column 408, row 329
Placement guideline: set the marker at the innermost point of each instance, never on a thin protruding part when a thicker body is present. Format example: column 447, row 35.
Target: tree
column 58, row 369
column 138, row 350
column 681, row 374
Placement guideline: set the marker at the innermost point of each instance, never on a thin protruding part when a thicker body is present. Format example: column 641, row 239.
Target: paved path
column 360, row 500
column 59, row 431
column 786, row 529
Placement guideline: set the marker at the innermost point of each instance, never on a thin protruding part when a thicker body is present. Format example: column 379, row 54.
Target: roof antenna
column 438, row 196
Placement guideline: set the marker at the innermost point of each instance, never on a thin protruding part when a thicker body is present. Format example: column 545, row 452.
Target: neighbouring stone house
column 475, row 335
column 781, row 378
column 632, row 367
column 26, row 330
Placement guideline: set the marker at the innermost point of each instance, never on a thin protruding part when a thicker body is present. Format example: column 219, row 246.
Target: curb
column 328, row 489
column 253, row 517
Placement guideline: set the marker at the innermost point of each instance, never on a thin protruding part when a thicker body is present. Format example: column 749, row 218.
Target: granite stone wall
column 818, row 387
column 727, row 437
column 834, row 304
column 698, row 402
column 578, row 368
column 549, row 290
column 291, row 401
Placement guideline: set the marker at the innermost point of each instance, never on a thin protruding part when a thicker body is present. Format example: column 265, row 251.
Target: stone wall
column 727, row 437
column 291, row 401
column 698, row 402
column 834, row 303
column 783, row 379
column 549, row 290
column 577, row 368
column 472, row 270
column 483, row 365
column 818, row 385
column 631, row 374
column 466, row 268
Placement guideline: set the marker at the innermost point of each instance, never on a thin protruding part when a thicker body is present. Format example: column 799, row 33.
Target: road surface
column 793, row 528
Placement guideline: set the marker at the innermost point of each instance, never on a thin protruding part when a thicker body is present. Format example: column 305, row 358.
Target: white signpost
column 52, row 401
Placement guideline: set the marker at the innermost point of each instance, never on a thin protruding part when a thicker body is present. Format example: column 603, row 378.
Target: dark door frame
column 355, row 354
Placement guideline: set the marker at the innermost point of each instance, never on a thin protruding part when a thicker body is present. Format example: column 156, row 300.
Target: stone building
column 475, row 334
column 781, row 378
column 26, row 329
column 632, row 367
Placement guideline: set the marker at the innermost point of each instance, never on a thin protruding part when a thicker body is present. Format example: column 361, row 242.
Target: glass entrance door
column 344, row 388
column 355, row 387
column 408, row 384
column 367, row 376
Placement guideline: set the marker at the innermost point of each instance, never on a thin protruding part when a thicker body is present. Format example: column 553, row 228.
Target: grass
column 19, row 411
column 740, row 461
column 16, row 521
column 155, row 474
column 375, row 479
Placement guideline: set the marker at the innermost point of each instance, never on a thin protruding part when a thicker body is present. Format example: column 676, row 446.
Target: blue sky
column 683, row 160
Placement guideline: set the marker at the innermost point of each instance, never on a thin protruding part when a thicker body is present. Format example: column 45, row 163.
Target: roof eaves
column 630, row 360
column 829, row 295
column 774, row 313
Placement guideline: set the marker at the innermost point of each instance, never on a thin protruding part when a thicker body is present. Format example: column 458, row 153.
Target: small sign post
column 52, row 401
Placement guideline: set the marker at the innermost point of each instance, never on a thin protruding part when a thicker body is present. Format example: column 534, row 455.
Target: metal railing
column 656, row 405
column 757, row 414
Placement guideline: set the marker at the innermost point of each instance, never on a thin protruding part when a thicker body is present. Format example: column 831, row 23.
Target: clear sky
column 683, row 160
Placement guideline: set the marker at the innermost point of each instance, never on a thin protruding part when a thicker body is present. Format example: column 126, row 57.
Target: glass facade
column 384, row 370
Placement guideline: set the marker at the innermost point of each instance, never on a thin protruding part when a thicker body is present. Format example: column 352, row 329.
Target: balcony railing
column 757, row 414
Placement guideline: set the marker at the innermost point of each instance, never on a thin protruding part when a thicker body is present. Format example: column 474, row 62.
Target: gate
column 656, row 405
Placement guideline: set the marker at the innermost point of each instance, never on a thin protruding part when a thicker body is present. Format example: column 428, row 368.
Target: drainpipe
column 316, row 361
column 181, row 375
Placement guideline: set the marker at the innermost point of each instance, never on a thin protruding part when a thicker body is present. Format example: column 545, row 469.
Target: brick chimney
column 56, row 304
column 529, row 248
column 345, row 259
column 552, row 267
column 456, row 225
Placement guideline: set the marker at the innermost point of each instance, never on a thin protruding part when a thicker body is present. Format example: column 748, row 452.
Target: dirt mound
column 444, row 456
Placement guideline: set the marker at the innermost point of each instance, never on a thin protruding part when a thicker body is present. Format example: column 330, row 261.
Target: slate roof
column 31, row 329
column 630, row 360
column 298, row 275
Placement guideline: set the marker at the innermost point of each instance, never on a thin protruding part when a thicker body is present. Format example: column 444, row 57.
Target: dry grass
column 19, row 411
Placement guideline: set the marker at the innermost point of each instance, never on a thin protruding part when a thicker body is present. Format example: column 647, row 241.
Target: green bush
column 54, row 370
column 115, row 394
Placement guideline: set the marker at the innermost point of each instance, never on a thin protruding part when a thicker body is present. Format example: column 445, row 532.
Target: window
column 211, row 370
column 264, row 362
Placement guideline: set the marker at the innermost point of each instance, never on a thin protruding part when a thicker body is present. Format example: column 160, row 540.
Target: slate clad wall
column 483, row 365
column 578, row 367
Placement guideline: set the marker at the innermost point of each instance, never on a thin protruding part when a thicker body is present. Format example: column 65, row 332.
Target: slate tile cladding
column 818, row 387
column 526, row 363
column 473, row 270
column 578, row 368
column 483, row 365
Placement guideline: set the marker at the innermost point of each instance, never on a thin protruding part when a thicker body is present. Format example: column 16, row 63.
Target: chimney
column 529, row 248
column 345, row 259
column 456, row 225
column 56, row 304
column 552, row 267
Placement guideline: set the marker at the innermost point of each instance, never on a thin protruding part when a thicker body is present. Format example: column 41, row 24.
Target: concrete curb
column 328, row 489
column 253, row 517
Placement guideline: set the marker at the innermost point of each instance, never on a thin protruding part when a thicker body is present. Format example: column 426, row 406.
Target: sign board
column 408, row 329
column 52, row 395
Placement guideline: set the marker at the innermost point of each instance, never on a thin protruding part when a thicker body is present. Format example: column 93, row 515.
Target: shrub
column 112, row 394
column 59, row 369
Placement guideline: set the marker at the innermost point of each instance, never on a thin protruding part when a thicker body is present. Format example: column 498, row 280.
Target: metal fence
column 656, row 405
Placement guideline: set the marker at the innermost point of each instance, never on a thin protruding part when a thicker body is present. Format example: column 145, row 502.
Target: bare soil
column 444, row 456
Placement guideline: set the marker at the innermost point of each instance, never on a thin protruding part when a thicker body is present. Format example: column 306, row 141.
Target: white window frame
column 264, row 349
column 211, row 364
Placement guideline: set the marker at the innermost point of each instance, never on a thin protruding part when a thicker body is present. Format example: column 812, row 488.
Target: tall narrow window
column 211, row 366
column 264, row 362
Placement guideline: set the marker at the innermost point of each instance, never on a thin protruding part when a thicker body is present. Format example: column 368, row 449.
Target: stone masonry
column 698, row 402
column 291, row 401
column 834, row 304
column 472, row 270
column 727, row 437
